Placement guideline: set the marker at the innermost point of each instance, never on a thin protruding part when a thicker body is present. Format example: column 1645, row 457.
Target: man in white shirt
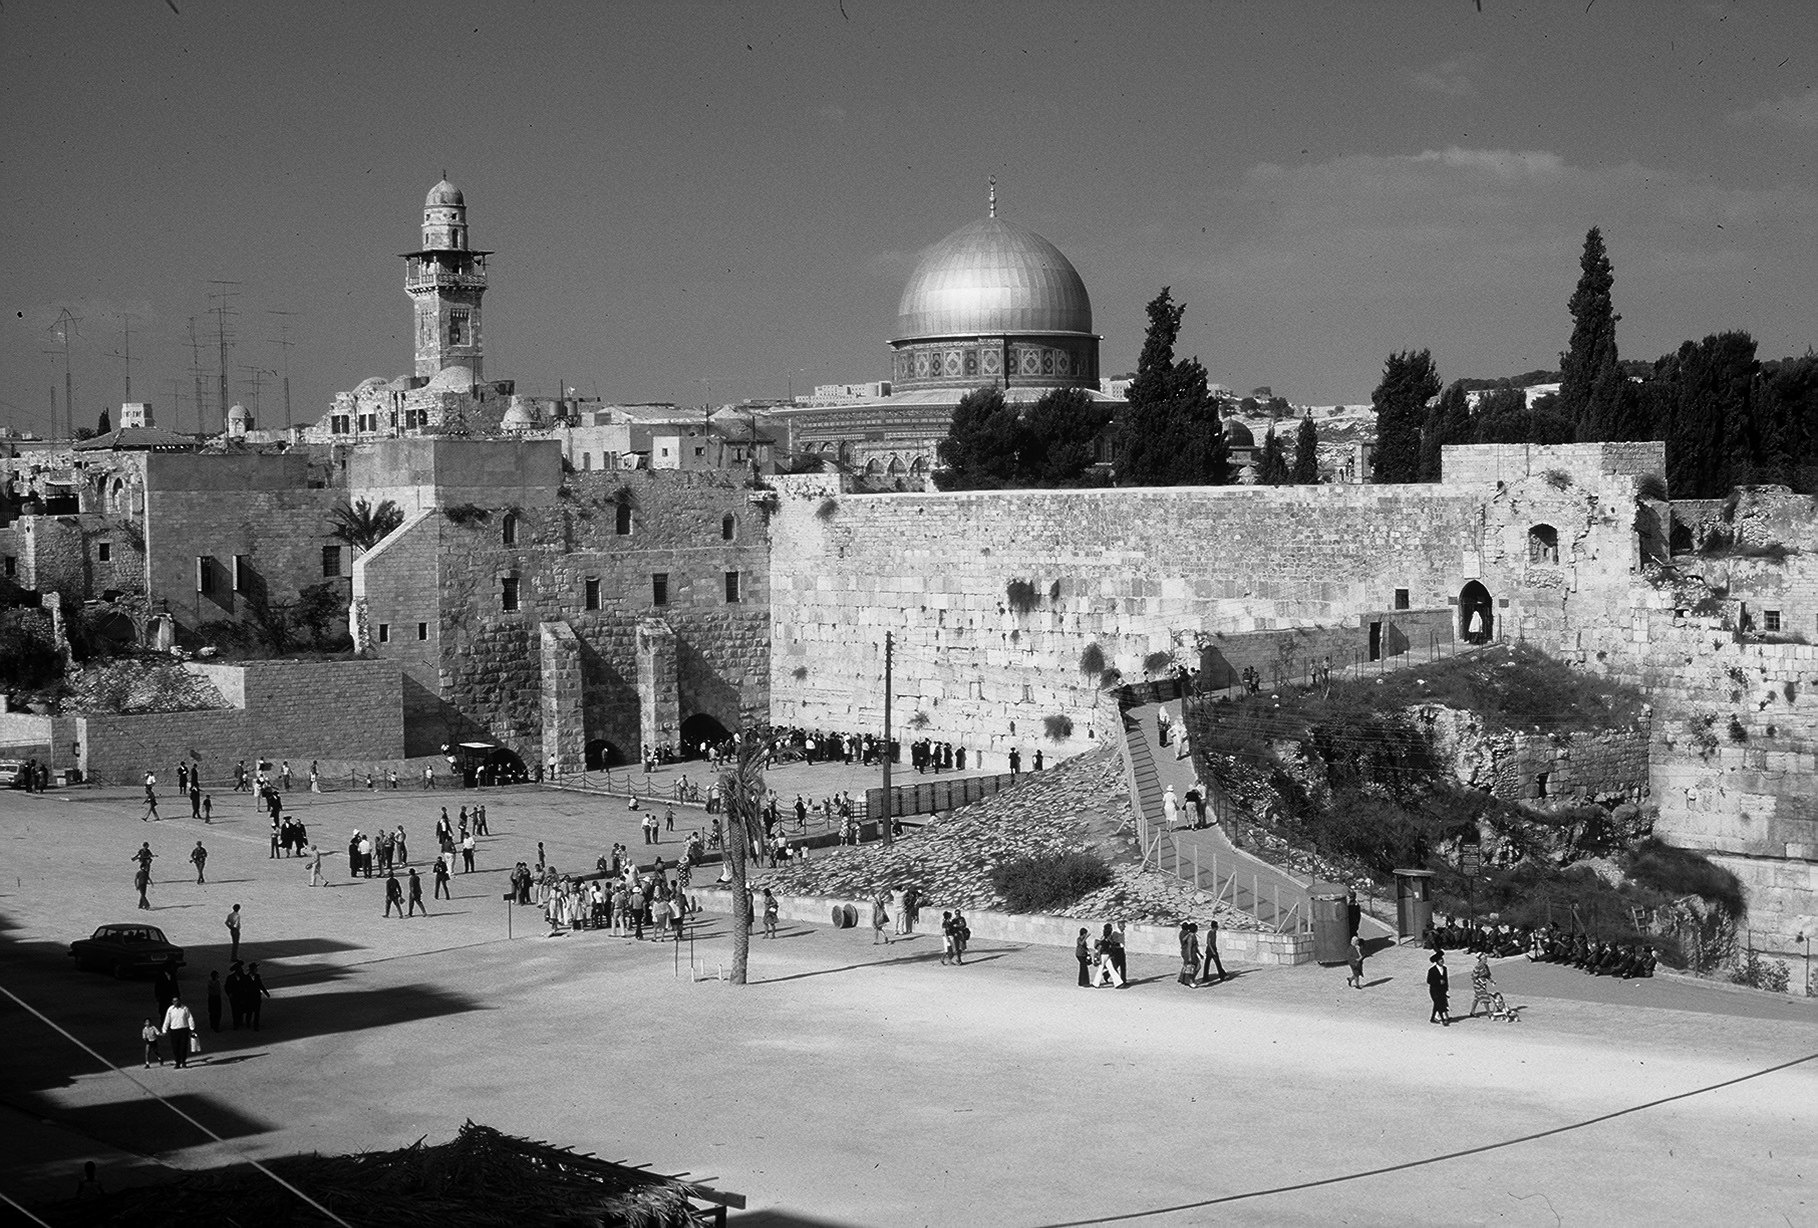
column 179, row 1025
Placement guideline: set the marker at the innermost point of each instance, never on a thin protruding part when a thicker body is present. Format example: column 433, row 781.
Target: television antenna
column 284, row 343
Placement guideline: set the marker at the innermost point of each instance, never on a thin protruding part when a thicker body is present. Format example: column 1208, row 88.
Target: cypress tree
column 1273, row 470
column 1306, row 453
column 104, row 424
column 1447, row 421
column 1409, row 381
column 1590, row 382
column 1170, row 433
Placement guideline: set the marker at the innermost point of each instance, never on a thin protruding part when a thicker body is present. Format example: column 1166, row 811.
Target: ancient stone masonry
column 458, row 596
column 994, row 597
column 564, row 721
column 1606, row 766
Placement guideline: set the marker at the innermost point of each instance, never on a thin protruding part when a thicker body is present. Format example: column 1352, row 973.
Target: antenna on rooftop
column 283, row 341
column 993, row 194
column 65, row 325
column 126, row 331
column 221, row 310
column 195, row 369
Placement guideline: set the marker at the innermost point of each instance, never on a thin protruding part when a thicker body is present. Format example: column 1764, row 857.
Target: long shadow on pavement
column 923, row 958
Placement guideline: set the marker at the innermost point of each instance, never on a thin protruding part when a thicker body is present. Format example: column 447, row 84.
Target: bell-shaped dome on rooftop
column 1237, row 435
column 993, row 277
column 444, row 193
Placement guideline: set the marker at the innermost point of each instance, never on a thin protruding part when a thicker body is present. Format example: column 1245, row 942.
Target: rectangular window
column 1401, row 598
column 1770, row 620
column 331, row 561
column 508, row 594
column 12, row 565
column 205, row 575
column 659, row 588
column 457, row 328
column 700, row 451
column 593, row 595
column 732, row 588
column 422, row 631
column 104, row 552
column 384, row 633
column 242, row 573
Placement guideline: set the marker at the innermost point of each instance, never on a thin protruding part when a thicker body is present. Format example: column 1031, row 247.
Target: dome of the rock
column 993, row 277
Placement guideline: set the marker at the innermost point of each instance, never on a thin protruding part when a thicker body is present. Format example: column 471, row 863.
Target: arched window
column 586, row 462
column 1543, row 545
column 729, row 528
column 624, row 521
column 897, row 468
column 508, row 529
column 874, row 467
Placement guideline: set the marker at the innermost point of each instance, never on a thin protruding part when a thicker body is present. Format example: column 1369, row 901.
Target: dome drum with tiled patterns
column 994, row 303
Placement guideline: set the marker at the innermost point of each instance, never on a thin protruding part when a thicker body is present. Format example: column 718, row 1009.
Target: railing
column 1231, row 888
column 633, row 782
column 930, row 797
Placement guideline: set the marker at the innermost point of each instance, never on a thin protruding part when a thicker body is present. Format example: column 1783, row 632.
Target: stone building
column 587, row 615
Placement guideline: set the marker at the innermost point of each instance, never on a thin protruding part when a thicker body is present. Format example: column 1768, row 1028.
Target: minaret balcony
column 433, row 277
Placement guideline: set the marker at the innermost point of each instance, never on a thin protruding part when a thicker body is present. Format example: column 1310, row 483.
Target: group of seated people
column 1626, row 960
column 1548, row 944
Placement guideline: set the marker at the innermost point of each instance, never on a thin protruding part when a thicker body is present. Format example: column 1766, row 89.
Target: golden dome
column 993, row 277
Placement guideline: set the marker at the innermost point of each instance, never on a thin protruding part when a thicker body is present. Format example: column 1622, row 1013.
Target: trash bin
column 1331, row 930
column 1413, row 902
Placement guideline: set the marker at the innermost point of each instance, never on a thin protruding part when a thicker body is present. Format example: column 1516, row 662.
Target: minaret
column 446, row 281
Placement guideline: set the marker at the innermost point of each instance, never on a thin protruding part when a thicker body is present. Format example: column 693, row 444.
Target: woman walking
column 880, row 917
column 1355, row 980
column 1108, row 971
column 1189, row 954
column 1082, row 951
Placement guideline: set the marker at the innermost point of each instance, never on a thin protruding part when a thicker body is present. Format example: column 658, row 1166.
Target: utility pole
column 222, row 309
column 195, row 370
column 52, row 355
column 66, row 324
column 255, row 381
column 176, row 402
column 126, row 331
column 283, row 342
column 889, row 646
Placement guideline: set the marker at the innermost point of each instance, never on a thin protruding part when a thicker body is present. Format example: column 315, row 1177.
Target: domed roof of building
column 237, row 412
column 444, row 193
column 1237, row 435
column 993, row 276
column 454, row 378
column 520, row 415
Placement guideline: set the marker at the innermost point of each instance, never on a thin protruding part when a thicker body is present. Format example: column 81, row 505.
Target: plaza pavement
column 855, row 1084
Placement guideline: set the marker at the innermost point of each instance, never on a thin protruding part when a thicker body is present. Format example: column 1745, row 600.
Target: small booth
column 1413, row 902
column 1331, row 924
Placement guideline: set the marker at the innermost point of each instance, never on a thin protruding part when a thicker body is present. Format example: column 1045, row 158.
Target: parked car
column 125, row 949
column 12, row 774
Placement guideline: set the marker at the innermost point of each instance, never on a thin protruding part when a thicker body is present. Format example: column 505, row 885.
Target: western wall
column 1542, row 540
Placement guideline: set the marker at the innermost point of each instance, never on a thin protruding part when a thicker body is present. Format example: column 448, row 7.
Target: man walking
column 441, row 891
column 1212, row 959
column 233, row 931
column 256, row 993
column 416, row 895
column 198, row 857
column 394, row 895
column 179, row 1025
column 195, row 797
column 467, row 854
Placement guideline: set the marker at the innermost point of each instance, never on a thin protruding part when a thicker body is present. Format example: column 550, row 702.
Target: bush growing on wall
column 1037, row 884
column 28, row 656
column 1092, row 661
column 1020, row 596
column 1059, row 727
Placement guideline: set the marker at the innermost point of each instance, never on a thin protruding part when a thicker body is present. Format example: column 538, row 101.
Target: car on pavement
column 12, row 773
column 125, row 949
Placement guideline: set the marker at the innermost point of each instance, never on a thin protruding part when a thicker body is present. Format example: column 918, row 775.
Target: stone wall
column 488, row 661
column 62, row 554
column 258, row 508
column 424, row 472
column 285, row 705
column 1486, row 464
column 1606, row 766
column 1144, row 571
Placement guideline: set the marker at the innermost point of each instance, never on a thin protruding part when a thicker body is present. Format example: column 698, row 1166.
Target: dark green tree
column 983, row 444
column 1448, row 420
column 1409, row 381
column 1306, row 453
column 1712, row 439
column 362, row 525
column 1590, row 383
column 1170, row 433
column 1786, row 408
column 1272, row 470
column 1061, row 432
column 103, row 424
column 1507, row 416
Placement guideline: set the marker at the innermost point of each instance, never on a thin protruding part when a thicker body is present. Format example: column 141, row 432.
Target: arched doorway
column 599, row 754
column 697, row 729
column 1476, row 614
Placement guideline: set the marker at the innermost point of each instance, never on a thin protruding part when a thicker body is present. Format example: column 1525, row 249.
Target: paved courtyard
column 861, row 1085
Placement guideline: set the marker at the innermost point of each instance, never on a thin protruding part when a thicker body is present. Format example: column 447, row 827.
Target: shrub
column 1020, row 596
column 28, row 655
column 466, row 514
column 799, row 672
column 1676, row 872
column 1092, row 661
column 1558, row 479
column 919, row 721
column 1059, row 727
column 1157, row 662
column 828, row 509
column 1752, row 970
column 1039, row 884
column 1651, row 486
column 1054, row 591
column 1736, row 731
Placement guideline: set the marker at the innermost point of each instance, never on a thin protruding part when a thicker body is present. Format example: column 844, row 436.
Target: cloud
column 1800, row 112
column 1449, row 77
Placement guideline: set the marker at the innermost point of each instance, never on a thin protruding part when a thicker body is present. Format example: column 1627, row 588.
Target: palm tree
column 363, row 526
column 742, row 786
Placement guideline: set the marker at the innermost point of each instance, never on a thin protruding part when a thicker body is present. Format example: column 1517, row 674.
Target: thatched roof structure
column 480, row 1178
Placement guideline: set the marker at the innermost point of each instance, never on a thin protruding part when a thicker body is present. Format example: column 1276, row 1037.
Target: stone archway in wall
column 599, row 754
column 1476, row 614
column 701, row 728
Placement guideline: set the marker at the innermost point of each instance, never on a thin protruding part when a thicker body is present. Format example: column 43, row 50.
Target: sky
column 704, row 202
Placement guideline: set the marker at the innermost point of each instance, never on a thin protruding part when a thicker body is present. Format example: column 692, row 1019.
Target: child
column 208, row 807
column 149, row 1034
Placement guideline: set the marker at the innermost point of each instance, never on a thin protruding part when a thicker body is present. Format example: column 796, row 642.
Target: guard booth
column 1331, row 927
column 1413, row 902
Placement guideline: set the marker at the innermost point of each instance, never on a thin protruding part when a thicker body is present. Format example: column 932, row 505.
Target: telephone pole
column 66, row 324
column 195, row 370
column 126, row 332
column 889, row 646
column 223, row 308
column 283, row 342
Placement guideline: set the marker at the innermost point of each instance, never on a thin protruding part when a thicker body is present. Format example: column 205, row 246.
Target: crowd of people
column 1545, row 944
